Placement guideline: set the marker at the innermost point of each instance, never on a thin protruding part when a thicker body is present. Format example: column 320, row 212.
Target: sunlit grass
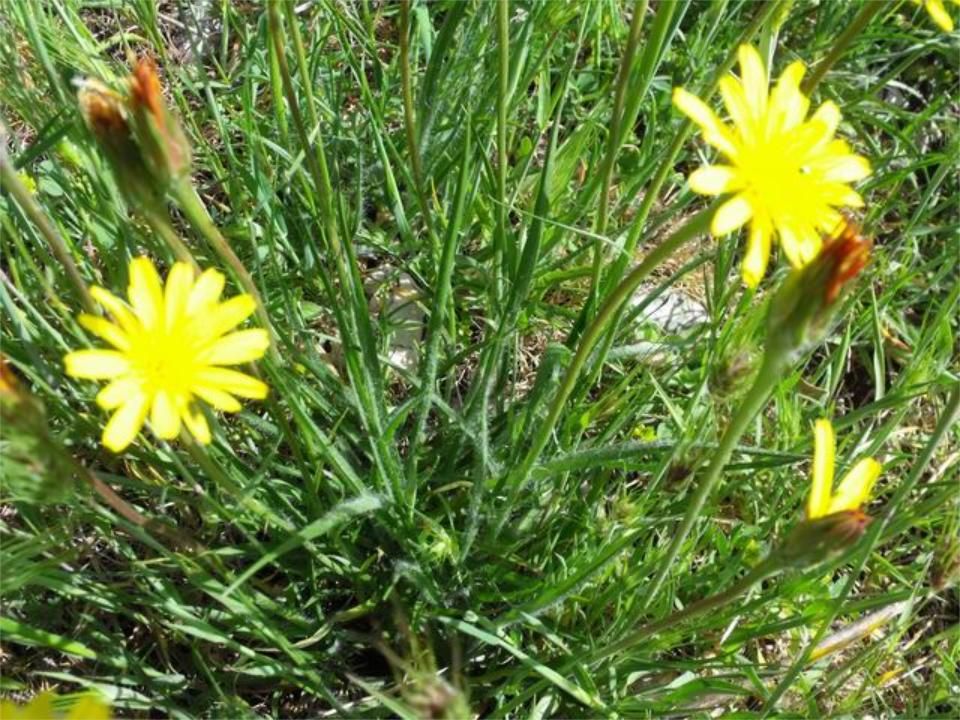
column 490, row 477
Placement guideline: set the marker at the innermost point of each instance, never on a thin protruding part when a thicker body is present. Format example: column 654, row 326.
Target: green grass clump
column 442, row 509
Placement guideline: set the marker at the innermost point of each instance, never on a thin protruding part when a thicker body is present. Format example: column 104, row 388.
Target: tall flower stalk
column 834, row 521
column 798, row 317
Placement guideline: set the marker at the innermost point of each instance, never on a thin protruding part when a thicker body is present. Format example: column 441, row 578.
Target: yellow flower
column 169, row 344
column 88, row 707
column 853, row 490
column 787, row 174
column 938, row 12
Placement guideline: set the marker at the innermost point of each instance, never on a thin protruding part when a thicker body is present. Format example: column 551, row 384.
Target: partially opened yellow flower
column 169, row 344
column 785, row 174
column 854, row 489
column 938, row 12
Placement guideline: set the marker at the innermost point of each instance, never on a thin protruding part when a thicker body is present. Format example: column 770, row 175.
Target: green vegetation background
column 314, row 591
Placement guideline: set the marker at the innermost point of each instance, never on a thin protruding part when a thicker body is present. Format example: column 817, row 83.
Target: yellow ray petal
column 714, row 180
column 103, row 328
column 938, row 12
column 164, row 418
column 788, row 106
column 791, row 240
column 228, row 315
column 235, row 348
column 206, row 291
column 196, row 423
column 856, row 486
column 89, row 707
column 177, row 292
column 217, row 398
column 824, row 443
column 754, row 77
column 146, row 292
column 733, row 214
column 735, row 100
column 95, row 364
column 117, row 308
column 839, row 165
column 822, row 126
column 117, row 392
column 233, row 382
column 713, row 130
column 758, row 252
column 125, row 423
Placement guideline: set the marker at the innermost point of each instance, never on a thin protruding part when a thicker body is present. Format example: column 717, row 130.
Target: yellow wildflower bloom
column 853, row 490
column 169, row 344
column 938, row 12
column 786, row 174
column 88, row 707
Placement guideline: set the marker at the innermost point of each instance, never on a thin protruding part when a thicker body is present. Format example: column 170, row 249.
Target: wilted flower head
column 801, row 309
column 169, row 344
column 938, row 12
column 785, row 174
column 834, row 518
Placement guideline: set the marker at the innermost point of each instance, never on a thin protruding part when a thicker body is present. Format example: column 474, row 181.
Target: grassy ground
column 360, row 542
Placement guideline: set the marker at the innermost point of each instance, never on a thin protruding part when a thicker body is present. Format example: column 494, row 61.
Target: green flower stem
column 652, row 192
column 614, row 140
column 160, row 223
column 410, row 124
column 241, row 495
column 763, row 570
column 863, row 18
column 504, row 255
column 695, row 226
column 754, row 401
column 196, row 213
column 12, row 184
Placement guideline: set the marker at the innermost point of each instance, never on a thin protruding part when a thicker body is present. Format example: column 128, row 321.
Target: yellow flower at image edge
column 938, row 12
column 785, row 174
column 168, row 348
column 88, row 707
column 854, row 489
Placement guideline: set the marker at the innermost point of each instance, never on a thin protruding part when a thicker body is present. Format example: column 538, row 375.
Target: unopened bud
column 802, row 308
column 813, row 541
column 165, row 148
column 35, row 466
column 106, row 115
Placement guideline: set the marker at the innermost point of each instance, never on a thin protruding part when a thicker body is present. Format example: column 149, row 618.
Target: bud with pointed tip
column 801, row 310
column 105, row 113
column 158, row 132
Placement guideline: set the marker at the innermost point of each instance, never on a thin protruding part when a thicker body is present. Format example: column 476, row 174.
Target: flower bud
column 36, row 468
column 161, row 139
column 141, row 138
column 106, row 115
column 813, row 541
column 801, row 310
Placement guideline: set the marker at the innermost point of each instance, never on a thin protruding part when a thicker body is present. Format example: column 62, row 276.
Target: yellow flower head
column 938, row 12
column 855, row 487
column 786, row 173
column 168, row 345
column 88, row 707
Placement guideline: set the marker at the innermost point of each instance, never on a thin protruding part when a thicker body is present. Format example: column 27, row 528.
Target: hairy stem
column 692, row 228
column 752, row 403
